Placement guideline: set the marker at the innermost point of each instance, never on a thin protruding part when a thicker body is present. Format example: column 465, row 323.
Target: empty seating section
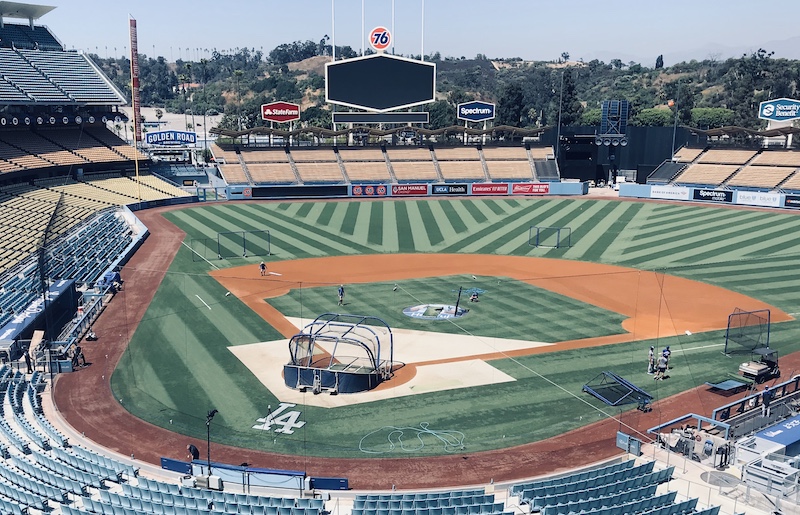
column 319, row 172
column 323, row 155
column 666, row 171
column 159, row 184
column 18, row 72
column 263, row 156
column 224, row 156
column 542, row 153
column 116, row 144
column 81, row 145
column 10, row 93
column 761, row 176
column 613, row 468
column 19, row 158
column 505, row 153
column 367, row 171
column 74, row 75
column 687, row 155
column 778, row 158
column 546, row 170
column 457, row 154
column 366, row 154
column 452, row 503
column 520, row 170
column 462, row 170
column 706, row 174
column 23, row 36
column 233, row 174
column 726, row 156
column 412, row 164
column 276, row 173
column 127, row 187
column 39, row 145
column 792, row 183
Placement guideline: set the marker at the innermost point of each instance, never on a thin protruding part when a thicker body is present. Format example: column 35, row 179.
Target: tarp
column 785, row 433
column 60, row 299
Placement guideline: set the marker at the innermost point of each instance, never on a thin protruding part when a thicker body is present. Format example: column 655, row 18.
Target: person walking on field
column 651, row 360
column 340, row 292
column 263, row 268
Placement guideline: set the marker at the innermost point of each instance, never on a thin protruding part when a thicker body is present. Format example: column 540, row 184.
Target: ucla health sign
column 170, row 138
column 780, row 109
column 476, row 111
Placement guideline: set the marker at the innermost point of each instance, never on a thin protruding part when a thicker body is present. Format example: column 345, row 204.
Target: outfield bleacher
column 705, row 174
column 376, row 171
column 222, row 156
column 233, row 174
column 462, row 170
column 412, row 164
column 763, row 177
column 542, row 153
column 271, row 173
column 510, row 170
column 726, row 156
column 319, row 172
column 686, row 154
column 778, row 158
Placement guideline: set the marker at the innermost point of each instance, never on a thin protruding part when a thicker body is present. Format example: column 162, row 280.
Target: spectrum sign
column 280, row 112
column 475, row 111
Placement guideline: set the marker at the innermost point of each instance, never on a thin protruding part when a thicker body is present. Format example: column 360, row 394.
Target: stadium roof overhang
column 733, row 130
column 28, row 12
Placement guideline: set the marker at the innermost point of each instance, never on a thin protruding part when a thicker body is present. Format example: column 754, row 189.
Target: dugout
column 340, row 353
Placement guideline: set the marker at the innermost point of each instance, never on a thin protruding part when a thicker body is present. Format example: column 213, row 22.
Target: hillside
column 706, row 94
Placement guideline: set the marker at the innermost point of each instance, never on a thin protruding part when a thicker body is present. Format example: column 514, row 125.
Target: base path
column 85, row 401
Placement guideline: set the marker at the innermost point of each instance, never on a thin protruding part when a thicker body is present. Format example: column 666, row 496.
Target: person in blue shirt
column 340, row 292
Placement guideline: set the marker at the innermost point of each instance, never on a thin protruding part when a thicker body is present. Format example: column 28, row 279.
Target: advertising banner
column 369, row 190
column 170, row 138
column 530, row 188
column 713, row 195
column 399, row 190
column 670, row 192
column 758, row 198
column 475, row 111
column 792, row 201
column 449, row 189
column 490, row 189
column 779, row 110
column 280, row 112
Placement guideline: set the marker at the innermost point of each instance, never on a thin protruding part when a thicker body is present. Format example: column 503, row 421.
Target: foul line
column 198, row 255
column 204, row 302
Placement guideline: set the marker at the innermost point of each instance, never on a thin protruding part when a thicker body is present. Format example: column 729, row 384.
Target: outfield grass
column 178, row 364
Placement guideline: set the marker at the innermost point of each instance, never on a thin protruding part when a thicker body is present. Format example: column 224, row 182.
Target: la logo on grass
column 287, row 421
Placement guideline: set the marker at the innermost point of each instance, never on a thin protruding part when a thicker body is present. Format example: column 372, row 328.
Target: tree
column 564, row 56
column 571, row 108
column 591, row 117
column 659, row 62
column 511, row 105
column 653, row 118
column 711, row 117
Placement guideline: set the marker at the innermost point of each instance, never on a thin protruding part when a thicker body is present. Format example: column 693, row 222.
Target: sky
column 631, row 30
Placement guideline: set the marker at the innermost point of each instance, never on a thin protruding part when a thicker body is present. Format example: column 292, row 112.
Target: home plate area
column 436, row 361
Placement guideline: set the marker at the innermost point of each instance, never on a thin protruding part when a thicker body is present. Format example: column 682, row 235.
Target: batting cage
column 550, row 237
column 747, row 329
column 232, row 244
column 340, row 353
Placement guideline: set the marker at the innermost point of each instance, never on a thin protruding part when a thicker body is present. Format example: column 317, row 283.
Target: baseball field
column 508, row 373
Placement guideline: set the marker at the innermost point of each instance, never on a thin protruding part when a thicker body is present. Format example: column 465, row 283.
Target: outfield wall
column 422, row 189
column 710, row 195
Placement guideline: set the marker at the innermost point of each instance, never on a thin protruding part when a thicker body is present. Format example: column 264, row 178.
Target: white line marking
column 202, row 257
column 274, row 273
column 701, row 347
column 204, row 302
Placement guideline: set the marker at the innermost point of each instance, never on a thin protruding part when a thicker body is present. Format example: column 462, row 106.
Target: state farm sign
column 280, row 112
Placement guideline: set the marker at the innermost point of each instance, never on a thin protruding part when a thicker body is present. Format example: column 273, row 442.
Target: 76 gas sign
column 380, row 38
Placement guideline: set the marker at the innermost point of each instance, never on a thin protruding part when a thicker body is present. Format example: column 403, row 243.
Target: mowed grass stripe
column 717, row 244
column 322, row 240
column 456, row 221
column 391, row 241
column 603, row 248
column 438, row 213
column 430, row 223
column 375, row 228
column 585, row 231
column 508, row 235
column 481, row 234
column 324, row 217
column 405, row 233
column 349, row 221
